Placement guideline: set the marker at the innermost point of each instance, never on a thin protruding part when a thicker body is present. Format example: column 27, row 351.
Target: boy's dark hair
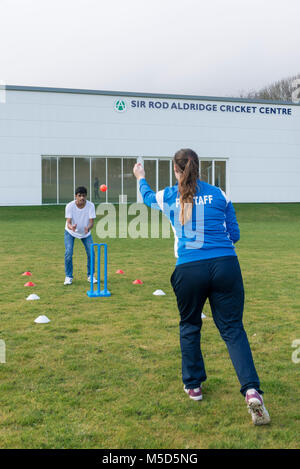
column 81, row 190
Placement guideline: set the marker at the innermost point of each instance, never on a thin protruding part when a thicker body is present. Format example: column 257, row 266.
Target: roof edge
column 143, row 94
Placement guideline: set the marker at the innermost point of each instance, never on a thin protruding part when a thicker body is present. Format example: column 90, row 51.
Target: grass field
column 106, row 373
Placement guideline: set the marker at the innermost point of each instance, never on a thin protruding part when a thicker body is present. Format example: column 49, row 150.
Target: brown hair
column 187, row 163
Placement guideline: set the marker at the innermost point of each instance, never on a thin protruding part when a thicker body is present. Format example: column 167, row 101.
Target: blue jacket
column 213, row 228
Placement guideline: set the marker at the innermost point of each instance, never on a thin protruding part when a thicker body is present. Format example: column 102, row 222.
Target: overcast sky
column 198, row 47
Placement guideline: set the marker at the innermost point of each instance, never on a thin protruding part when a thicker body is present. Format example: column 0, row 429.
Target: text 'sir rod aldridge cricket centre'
column 249, row 148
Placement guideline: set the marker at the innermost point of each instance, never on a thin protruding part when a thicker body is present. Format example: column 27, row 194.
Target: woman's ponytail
column 187, row 163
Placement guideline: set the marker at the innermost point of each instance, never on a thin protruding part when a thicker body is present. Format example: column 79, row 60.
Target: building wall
column 263, row 150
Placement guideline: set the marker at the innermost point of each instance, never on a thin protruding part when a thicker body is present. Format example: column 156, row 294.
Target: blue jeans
column 69, row 246
column 220, row 281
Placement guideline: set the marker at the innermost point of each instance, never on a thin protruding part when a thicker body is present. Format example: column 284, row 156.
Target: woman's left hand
column 139, row 171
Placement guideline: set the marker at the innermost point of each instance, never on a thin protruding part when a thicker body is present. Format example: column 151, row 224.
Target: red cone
column 27, row 273
column 120, row 271
column 29, row 284
column 137, row 282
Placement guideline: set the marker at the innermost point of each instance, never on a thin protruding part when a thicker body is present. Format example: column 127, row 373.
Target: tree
column 278, row 91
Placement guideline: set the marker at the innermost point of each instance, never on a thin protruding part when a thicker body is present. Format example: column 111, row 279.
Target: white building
column 53, row 140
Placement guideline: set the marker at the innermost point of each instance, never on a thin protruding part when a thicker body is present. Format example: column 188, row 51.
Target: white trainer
column 195, row 394
column 68, row 281
column 94, row 279
column 255, row 404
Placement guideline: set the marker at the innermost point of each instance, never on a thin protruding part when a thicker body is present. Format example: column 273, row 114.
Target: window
column 82, row 174
column 98, row 177
column 214, row 172
column 220, row 174
column 114, row 179
column 49, row 180
column 65, row 180
column 206, row 168
column 163, row 174
column 150, row 170
column 61, row 176
column 129, row 181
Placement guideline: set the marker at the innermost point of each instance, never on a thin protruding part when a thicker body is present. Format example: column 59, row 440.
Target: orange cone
column 29, row 284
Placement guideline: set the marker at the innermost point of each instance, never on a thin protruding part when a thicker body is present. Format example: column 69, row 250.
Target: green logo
column 120, row 105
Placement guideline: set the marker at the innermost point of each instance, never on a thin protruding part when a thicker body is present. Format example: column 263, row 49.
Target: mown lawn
column 106, row 373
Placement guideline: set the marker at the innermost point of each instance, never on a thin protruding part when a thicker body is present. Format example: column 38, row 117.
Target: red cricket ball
column 103, row 188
